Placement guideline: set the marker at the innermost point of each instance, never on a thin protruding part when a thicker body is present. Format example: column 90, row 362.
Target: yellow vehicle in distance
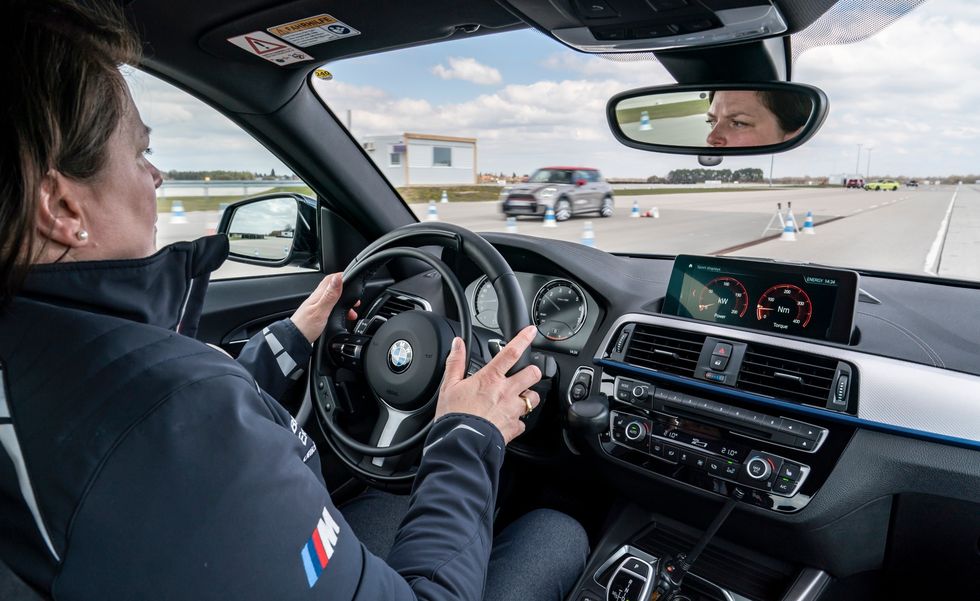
column 883, row 184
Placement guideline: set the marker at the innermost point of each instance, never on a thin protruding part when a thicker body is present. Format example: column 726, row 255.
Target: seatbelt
column 12, row 588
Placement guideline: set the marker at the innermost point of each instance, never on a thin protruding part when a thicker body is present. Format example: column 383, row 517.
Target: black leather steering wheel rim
column 512, row 318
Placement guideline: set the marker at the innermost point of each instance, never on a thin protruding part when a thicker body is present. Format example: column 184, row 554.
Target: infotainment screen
column 800, row 300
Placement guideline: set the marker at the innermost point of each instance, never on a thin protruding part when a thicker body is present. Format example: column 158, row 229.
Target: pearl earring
column 81, row 235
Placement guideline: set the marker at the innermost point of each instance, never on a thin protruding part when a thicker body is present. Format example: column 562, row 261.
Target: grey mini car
column 567, row 190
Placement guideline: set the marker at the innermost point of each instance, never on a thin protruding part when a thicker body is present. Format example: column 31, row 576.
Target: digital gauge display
column 800, row 300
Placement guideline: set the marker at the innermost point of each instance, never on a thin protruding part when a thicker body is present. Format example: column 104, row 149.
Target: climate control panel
column 659, row 437
column 718, row 442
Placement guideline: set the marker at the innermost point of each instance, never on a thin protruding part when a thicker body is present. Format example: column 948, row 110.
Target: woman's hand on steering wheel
column 311, row 317
column 489, row 393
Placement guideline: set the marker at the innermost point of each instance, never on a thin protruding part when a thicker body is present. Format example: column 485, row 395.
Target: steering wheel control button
column 400, row 356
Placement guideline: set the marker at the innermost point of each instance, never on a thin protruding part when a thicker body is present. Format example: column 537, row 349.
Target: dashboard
column 856, row 420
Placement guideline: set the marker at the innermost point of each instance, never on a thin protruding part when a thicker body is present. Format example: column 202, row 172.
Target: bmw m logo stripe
column 318, row 550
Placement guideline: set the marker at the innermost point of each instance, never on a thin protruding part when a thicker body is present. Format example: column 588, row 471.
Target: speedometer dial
column 784, row 306
column 559, row 310
column 486, row 304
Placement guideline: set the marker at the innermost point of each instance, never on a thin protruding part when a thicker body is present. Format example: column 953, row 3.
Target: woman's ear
column 59, row 214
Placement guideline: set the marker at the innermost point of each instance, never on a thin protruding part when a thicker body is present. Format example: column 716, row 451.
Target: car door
column 582, row 194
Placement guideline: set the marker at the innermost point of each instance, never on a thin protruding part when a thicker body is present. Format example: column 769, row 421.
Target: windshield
column 888, row 183
column 551, row 176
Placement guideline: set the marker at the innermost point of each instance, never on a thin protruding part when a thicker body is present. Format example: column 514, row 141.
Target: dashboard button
column 635, row 431
column 759, row 468
column 715, row 466
column 783, row 486
column 731, row 470
column 805, row 444
column 719, row 363
column 790, row 471
column 720, row 378
column 657, row 448
column 722, row 349
column 661, row 394
column 671, row 452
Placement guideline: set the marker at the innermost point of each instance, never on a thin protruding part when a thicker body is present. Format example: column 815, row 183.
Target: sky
column 907, row 93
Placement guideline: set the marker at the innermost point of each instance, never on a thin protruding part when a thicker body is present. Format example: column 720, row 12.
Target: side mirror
column 718, row 119
column 580, row 182
column 273, row 230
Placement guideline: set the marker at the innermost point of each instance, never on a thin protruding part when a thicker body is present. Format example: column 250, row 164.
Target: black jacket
column 140, row 463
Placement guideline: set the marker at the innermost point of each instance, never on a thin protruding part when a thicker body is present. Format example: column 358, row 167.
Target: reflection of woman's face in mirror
column 741, row 118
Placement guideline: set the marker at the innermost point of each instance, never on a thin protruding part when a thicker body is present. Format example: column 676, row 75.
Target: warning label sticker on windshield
column 271, row 49
column 313, row 30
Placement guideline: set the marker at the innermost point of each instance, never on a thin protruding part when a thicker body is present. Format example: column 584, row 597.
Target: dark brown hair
column 68, row 98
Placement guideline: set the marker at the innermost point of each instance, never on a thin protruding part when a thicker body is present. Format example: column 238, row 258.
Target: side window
column 207, row 162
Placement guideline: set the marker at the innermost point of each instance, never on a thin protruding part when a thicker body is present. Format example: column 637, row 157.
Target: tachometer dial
column 558, row 310
column 723, row 298
column 784, row 306
column 486, row 304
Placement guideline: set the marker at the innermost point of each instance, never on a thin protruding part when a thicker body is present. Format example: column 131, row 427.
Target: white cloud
column 468, row 69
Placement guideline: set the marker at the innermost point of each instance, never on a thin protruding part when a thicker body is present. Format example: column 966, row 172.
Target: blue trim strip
column 821, row 413
column 311, row 573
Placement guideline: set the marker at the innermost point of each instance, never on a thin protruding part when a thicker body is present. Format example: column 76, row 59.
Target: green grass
column 414, row 194
column 420, row 194
column 213, row 203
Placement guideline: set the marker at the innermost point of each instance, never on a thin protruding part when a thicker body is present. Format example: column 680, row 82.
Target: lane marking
column 935, row 251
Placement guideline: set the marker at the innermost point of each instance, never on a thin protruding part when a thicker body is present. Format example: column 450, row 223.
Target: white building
column 421, row 159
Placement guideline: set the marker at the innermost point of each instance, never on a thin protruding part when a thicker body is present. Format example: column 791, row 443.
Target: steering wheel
column 403, row 362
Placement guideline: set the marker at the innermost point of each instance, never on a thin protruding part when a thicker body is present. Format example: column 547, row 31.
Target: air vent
column 788, row 375
column 394, row 305
column 665, row 349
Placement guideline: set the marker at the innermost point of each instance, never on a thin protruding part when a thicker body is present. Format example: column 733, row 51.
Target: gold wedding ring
column 528, row 407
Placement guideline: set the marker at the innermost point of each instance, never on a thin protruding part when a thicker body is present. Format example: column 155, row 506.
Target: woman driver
column 755, row 118
column 138, row 462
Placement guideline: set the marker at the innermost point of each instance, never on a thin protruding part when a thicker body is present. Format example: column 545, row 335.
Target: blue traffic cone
column 635, row 212
column 512, row 225
column 644, row 121
column 444, row 197
column 789, row 230
column 432, row 215
column 177, row 214
column 808, row 224
column 549, row 218
column 588, row 234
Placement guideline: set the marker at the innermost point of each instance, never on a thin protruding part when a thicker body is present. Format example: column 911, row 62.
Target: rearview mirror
column 272, row 230
column 718, row 119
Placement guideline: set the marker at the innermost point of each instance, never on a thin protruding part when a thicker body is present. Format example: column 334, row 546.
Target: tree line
column 218, row 175
column 699, row 176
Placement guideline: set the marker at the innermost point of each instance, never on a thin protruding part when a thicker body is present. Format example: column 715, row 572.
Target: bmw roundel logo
column 399, row 356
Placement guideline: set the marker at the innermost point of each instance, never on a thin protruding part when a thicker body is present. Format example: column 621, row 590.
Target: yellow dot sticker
column 323, row 74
